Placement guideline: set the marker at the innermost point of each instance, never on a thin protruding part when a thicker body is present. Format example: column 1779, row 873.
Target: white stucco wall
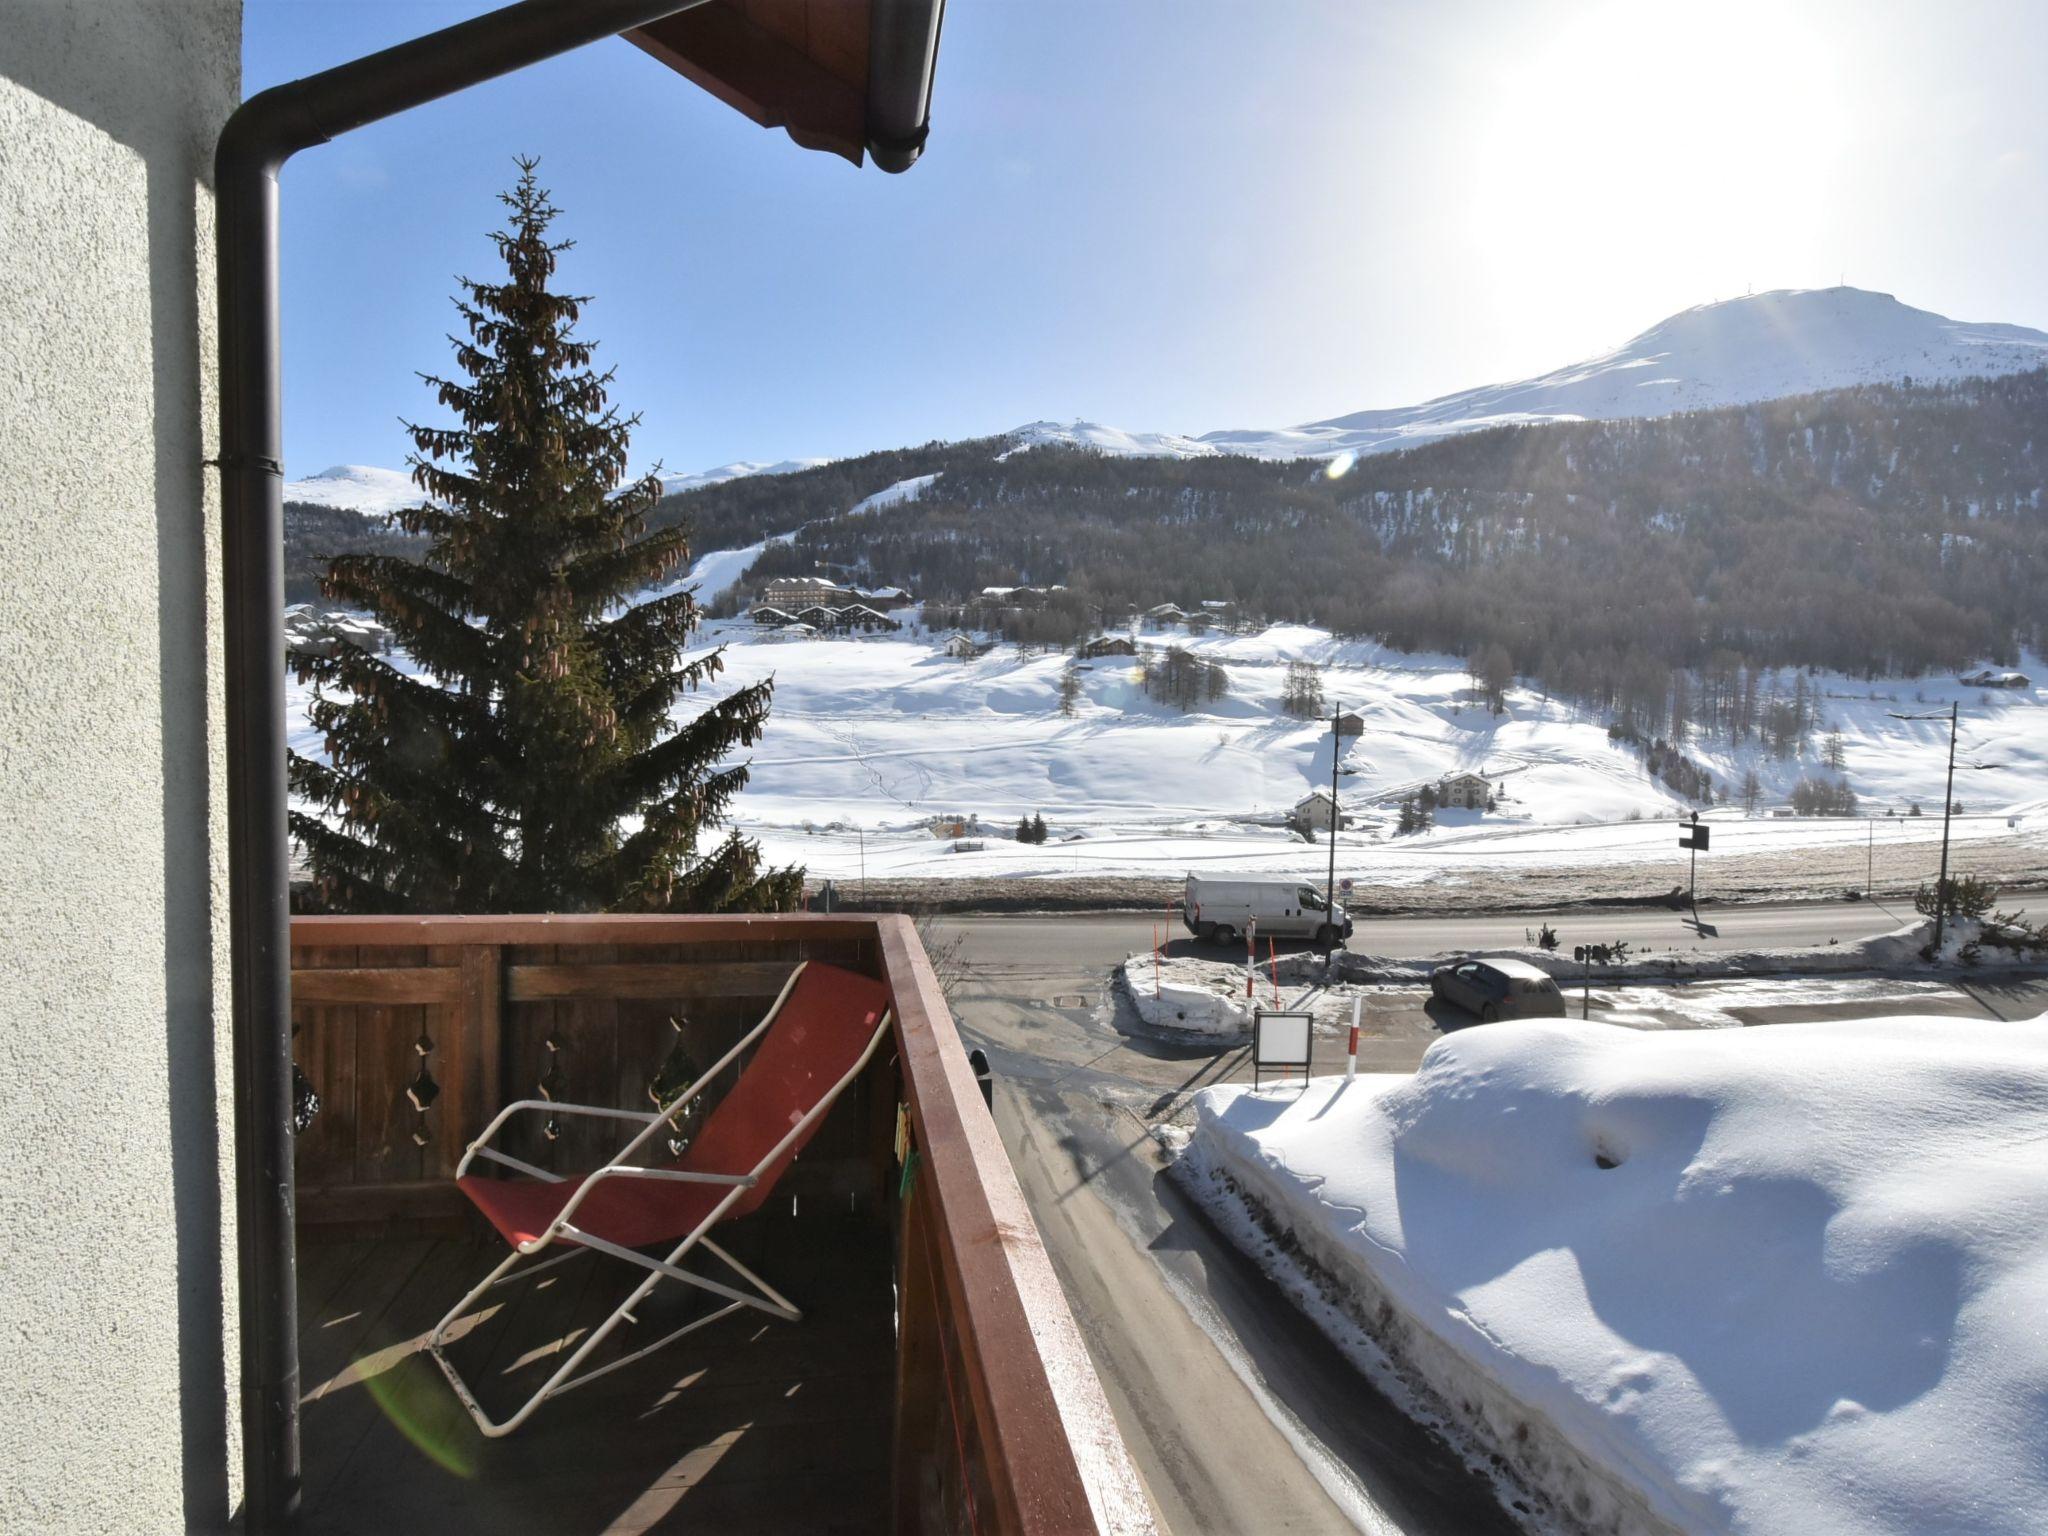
column 116, row 1331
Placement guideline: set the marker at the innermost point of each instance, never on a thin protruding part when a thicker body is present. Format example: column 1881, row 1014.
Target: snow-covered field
column 870, row 739
column 1768, row 1280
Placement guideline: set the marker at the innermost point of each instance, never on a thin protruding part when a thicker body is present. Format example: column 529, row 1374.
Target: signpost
column 1694, row 836
column 1281, row 1038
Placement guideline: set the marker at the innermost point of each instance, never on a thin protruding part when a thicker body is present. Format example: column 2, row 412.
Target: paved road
column 1240, row 1415
column 1081, row 942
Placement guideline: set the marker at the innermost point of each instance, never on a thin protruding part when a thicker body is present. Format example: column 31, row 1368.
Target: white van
column 1223, row 911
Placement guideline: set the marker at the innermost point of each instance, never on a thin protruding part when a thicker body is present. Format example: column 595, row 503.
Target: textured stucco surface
column 115, row 1312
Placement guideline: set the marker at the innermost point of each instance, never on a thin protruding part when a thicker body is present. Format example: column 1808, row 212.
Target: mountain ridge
column 1772, row 345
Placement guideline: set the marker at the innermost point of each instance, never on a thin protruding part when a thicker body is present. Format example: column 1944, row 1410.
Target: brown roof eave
column 842, row 76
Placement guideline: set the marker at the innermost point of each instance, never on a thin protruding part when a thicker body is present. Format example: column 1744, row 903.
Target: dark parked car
column 1496, row 989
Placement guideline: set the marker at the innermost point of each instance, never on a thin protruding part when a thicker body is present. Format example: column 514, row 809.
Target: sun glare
column 1693, row 140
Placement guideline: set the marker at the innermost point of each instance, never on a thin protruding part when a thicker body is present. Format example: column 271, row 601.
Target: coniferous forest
column 1882, row 530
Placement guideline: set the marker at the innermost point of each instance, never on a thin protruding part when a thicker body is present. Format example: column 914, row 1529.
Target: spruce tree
column 533, row 764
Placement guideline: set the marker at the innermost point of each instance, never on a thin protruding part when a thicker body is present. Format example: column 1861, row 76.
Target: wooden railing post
column 480, row 1016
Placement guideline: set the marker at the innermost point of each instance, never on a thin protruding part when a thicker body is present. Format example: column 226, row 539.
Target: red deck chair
column 815, row 1040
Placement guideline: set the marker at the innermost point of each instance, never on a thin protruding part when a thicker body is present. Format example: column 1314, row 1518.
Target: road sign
column 1695, row 838
column 1281, row 1038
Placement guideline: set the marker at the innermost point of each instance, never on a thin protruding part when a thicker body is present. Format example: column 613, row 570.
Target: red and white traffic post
column 1351, row 1056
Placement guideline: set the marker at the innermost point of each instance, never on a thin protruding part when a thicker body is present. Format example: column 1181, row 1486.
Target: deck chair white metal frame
column 760, row 1295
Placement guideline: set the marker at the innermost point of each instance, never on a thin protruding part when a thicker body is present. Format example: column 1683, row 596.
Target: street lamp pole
column 1948, row 805
column 1330, row 889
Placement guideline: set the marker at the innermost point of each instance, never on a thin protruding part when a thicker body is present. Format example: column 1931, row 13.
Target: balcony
column 936, row 1381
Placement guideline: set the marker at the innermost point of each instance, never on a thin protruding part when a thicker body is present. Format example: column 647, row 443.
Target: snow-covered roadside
column 1897, row 953
column 1769, row 1280
column 1188, row 984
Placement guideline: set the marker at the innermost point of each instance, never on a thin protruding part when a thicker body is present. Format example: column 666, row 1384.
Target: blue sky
column 1170, row 215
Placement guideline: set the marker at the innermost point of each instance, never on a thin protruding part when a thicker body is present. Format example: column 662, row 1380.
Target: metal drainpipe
column 265, row 132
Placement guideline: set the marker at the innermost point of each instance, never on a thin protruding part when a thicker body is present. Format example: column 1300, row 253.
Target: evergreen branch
column 598, row 577
column 422, row 606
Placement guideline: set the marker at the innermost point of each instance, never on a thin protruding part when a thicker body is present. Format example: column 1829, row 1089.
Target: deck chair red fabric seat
column 815, row 1040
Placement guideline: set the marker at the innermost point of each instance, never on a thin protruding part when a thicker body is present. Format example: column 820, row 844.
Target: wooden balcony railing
column 413, row 1031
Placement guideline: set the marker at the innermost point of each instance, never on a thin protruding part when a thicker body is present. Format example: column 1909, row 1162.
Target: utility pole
column 1948, row 806
column 1330, row 890
column 1948, row 809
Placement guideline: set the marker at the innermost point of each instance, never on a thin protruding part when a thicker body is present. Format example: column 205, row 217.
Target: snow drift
column 1783, row 1279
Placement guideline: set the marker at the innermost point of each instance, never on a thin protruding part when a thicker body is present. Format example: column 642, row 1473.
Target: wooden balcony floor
column 750, row 1424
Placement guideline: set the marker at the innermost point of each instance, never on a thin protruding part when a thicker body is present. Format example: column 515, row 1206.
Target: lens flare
column 1340, row 466
column 416, row 1400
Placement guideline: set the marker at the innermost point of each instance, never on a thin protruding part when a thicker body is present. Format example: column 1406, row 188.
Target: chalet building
column 818, row 616
column 770, row 617
column 860, row 616
column 1107, row 645
column 1019, row 597
column 1315, row 811
column 1165, row 616
column 965, row 647
column 1467, row 791
column 886, row 598
column 1350, row 725
column 1995, row 678
column 795, row 593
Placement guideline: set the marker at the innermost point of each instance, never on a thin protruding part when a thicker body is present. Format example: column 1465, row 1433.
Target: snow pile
column 1188, row 997
column 358, row 488
column 1783, row 1279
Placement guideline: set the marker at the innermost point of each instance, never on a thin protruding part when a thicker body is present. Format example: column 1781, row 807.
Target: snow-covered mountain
column 1110, row 440
column 739, row 469
column 1763, row 347
column 366, row 488
column 358, row 488
column 1792, row 341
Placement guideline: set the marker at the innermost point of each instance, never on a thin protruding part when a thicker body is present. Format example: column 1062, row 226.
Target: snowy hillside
column 357, row 488
column 871, row 738
column 739, row 469
column 1749, row 1280
column 1113, row 441
column 1763, row 347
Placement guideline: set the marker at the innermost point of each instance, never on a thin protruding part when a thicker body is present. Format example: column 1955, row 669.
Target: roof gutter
column 265, row 132
column 903, row 52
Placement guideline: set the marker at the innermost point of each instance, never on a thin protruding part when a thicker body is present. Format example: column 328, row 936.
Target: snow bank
column 1192, row 997
column 1896, row 951
column 1786, row 1279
